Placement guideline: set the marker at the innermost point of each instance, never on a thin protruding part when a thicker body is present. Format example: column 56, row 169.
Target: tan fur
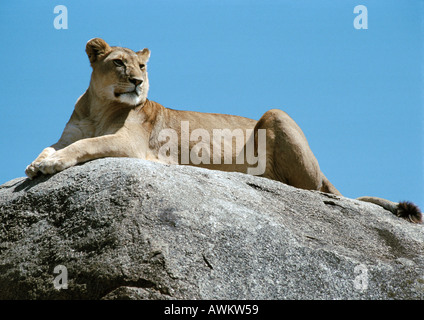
column 114, row 118
column 107, row 122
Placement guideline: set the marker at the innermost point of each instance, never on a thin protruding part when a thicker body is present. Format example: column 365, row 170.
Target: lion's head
column 119, row 74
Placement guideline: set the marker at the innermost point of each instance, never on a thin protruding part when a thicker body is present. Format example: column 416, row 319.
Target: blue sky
column 357, row 94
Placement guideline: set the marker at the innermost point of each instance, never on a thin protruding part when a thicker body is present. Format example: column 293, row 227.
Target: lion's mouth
column 135, row 92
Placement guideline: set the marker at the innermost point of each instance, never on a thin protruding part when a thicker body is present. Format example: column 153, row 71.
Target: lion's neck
column 97, row 107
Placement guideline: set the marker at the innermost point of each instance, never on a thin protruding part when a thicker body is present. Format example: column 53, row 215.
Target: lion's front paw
column 55, row 163
column 31, row 171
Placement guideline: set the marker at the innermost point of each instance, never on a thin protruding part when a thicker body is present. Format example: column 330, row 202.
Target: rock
column 134, row 229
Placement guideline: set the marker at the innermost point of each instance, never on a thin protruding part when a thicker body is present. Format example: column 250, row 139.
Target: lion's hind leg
column 328, row 187
column 289, row 157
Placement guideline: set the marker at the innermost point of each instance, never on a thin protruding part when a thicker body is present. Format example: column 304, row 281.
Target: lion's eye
column 118, row 63
column 142, row 66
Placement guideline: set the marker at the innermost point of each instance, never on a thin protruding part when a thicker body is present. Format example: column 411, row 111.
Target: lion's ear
column 144, row 54
column 95, row 48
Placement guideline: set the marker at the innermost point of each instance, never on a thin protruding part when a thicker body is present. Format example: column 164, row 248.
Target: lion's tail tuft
column 409, row 211
column 404, row 209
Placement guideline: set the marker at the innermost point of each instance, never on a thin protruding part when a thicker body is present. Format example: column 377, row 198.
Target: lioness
column 114, row 118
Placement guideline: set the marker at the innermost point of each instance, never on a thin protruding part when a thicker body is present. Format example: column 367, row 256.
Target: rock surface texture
column 134, row 229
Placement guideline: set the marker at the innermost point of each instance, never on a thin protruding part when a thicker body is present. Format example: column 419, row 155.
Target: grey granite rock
column 134, row 229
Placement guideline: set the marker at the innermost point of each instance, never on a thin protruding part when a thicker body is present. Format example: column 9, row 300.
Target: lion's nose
column 136, row 81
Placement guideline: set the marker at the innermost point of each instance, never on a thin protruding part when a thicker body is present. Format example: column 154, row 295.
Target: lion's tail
column 404, row 209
